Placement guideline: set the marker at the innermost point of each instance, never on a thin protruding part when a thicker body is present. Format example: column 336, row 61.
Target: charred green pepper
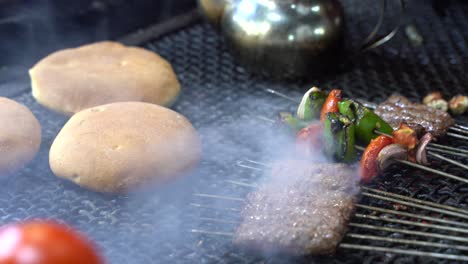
column 338, row 136
column 366, row 121
column 311, row 104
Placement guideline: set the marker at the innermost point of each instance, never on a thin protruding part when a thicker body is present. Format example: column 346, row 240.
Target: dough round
column 71, row 80
column 122, row 146
column 20, row 135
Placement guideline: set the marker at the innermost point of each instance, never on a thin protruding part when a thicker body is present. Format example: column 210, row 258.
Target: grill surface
column 153, row 227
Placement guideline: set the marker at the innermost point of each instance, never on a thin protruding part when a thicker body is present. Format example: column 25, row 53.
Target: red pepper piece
column 309, row 140
column 405, row 136
column 331, row 104
column 369, row 164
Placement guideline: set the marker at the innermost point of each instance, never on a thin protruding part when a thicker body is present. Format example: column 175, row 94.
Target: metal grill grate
column 152, row 227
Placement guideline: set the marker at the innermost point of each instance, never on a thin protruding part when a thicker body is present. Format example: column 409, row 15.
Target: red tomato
column 369, row 167
column 44, row 243
column 309, row 140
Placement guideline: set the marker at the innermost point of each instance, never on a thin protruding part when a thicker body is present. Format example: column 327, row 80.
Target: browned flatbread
column 20, row 135
column 123, row 146
column 71, row 80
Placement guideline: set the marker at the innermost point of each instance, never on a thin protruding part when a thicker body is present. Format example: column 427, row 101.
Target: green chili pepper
column 290, row 122
column 338, row 135
column 311, row 104
column 366, row 120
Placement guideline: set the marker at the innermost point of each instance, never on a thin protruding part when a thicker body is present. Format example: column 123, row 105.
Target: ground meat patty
column 398, row 109
column 303, row 209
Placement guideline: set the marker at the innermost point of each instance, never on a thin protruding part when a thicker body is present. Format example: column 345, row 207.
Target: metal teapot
column 286, row 38
column 213, row 10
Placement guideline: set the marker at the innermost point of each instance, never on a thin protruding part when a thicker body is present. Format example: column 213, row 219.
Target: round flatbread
column 20, row 136
column 123, row 146
column 71, row 80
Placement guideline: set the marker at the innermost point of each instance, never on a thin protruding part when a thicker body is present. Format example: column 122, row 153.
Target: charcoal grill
column 153, row 227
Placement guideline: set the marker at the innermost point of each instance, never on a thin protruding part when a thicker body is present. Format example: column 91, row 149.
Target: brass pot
column 285, row 38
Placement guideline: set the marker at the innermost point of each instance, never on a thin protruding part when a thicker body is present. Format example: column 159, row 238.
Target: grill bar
column 428, row 218
column 448, row 152
column 459, row 130
column 413, row 223
column 447, row 212
column 404, row 251
column 414, row 200
column 406, row 241
column 456, row 163
column 410, row 232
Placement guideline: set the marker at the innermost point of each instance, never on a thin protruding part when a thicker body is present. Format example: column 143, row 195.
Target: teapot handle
column 371, row 43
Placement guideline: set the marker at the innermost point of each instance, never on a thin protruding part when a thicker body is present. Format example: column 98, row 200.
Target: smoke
column 163, row 218
column 155, row 226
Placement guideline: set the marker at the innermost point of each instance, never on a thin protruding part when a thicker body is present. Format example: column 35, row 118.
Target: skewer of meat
column 418, row 116
column 369, row 131
column 305, row 209
column 314, row 142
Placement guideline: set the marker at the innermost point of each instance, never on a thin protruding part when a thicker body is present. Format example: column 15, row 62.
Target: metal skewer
column 218, row 197
column 404, row 251
column 410, row 232
column 372, row 237
column 425, row 168
column 414, row 200
column 444, row 224
column 387, row 196
column 411, row 215
column 372, row 227
column 406, row 241
column 432, row 154
column 456, row 136
column 440, row 157
column 459, row 130
column 435, row 145
column 383, row 195
column 214, row 208
column 380, row 249
column 268, row 90
column 374, row 106
column 412, row 223
column 461, row 127
column 206, row 232
column 447, row 152
column 218, row 220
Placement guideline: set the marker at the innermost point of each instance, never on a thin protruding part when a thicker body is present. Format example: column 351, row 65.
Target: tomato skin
column 42, row 242
column 369, row 167
column 309, row 140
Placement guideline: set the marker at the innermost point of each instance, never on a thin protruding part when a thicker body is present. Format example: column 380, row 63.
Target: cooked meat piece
column 398, row 109
column 303, row 209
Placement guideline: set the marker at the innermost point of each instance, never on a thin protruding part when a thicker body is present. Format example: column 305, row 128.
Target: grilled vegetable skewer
column 404, row 136
column 455, row 127
column 312, row 133
column 366, row 120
